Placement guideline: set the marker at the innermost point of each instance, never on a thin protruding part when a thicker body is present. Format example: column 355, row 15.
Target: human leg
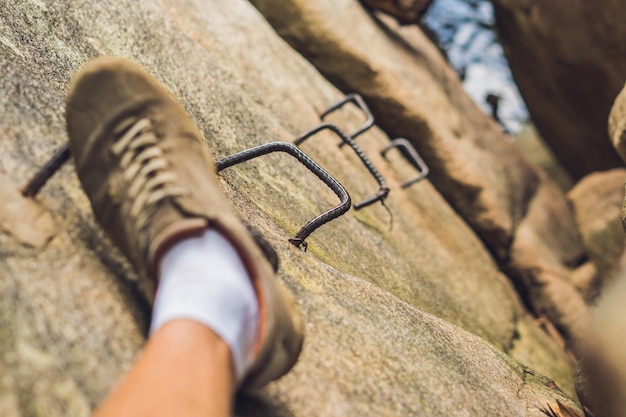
column 151, row 184
column 202, row 334
column 184, row 370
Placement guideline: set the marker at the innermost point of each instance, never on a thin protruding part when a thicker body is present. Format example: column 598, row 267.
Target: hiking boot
column 152, row 183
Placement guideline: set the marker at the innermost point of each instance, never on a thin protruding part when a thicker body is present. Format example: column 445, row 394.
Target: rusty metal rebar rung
column 331, row 214
column 360, row 103
column 44, row 173
column 414, row 158
column 383, row 190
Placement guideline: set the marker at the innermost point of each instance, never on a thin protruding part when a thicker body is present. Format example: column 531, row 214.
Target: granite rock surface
column 407, row 312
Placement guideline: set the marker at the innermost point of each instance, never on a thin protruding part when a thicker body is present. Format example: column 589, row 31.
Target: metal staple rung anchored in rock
column 383, row 191
column 414, row 157
column 360, row 103
column 299, row 239
column 46, row 172
column 62, row 155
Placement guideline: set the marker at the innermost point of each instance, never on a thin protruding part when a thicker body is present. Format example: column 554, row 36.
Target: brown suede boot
column 151, row 183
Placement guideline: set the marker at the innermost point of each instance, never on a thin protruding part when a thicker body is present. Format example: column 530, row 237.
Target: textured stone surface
column 22, row 218
column 597, row 201
column 542, row 270
column 379, row 363
column 413, row 93
column 535, row 148
column 569, row 61
column 617, row 124
column 585, row 279
column 408, row 319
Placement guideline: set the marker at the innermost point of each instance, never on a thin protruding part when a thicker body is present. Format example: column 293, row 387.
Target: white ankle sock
column 204, row 279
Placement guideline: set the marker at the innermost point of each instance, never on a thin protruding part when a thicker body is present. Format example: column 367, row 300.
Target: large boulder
column 414, row 93
column 597, row 201
column 569, row 62
column 534, row 147
column 408, row 317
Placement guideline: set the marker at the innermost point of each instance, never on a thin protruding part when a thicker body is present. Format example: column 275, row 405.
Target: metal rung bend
column 299, row 239
column 360, row 103
column 414, row 158
column 383, row 191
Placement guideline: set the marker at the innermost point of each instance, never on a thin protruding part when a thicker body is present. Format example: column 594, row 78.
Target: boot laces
column 145, row 169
